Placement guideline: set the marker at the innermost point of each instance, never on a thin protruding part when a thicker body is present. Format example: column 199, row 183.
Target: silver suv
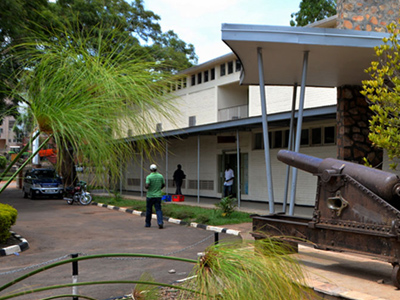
column 42, row 182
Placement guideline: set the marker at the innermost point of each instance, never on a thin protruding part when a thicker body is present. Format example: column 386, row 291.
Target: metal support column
column 166, row 167
column 35, row 146
column 290, row 147
column 120, row 178
column 239, row 193
column 298, row 130
column 265, row 132
column 141, row 174
column 198, row 169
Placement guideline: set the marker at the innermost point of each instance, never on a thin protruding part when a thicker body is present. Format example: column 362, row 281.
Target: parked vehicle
column 78, row 194
column 40, row 182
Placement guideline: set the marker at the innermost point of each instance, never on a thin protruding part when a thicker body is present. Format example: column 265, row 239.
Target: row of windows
column 309, row 137
column 208, row 75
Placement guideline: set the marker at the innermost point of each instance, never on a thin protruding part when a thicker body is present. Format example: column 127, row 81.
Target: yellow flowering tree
column 383, row 93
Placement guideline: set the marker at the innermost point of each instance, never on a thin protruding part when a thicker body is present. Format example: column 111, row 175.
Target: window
column 205, row 76
column 222, row 70
column 329, row 135
column 278, row 139
column 304, row 139
column 238, row 66
column 309, row 137
column 10, row 125
column 192, row 121
column 258, row 141
column 230, row 67
column 199, row 78
column 193, row 80
column 212, row 73
column 286, row 140
column 316, row 136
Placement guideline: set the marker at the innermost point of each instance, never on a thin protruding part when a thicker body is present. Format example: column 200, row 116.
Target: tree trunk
column 68, row 172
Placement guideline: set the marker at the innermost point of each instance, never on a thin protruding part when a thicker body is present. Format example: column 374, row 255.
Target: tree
column 383, row 93
column 87, row 98
column 18, row 19
column 312, row 11
column 131, row 22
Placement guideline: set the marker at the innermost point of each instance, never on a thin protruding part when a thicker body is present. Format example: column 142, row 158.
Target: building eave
column 336, row 57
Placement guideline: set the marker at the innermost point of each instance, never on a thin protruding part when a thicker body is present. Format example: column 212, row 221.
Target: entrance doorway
column 230, row 158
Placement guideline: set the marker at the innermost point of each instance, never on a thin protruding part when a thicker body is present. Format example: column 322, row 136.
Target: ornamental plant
column 8, row 217
column 86, row 96
column 382, row 92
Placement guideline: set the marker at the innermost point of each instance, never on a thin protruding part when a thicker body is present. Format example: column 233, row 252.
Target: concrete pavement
column 334, row 275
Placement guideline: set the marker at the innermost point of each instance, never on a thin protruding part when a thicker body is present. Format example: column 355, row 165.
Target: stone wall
column 352, row 109
column 368, row 15
column 353, row 116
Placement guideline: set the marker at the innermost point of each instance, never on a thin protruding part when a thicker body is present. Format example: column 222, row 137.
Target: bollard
column 74, row 276
column 216, row 238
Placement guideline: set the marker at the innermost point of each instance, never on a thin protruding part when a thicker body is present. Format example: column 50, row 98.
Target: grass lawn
column 182, row 212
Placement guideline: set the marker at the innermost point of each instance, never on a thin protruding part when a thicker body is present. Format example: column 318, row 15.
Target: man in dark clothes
column 179, row 175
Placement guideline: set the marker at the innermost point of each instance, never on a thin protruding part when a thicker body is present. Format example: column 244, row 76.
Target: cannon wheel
column 396, row 275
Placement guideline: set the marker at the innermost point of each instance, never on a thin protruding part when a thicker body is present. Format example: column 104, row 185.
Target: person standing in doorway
column 228, row 184
column 154, row 184
column 178, row 177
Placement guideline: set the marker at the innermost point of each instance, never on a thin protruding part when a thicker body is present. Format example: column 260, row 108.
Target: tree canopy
column 312, row 11
column 129, row 21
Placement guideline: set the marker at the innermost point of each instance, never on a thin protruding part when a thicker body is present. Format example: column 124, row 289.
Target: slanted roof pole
column 265, row 132
column 290, row 147
column 298, row 131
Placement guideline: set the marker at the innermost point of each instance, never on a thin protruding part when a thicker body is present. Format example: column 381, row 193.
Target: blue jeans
column 149, row 209
column 227, row 190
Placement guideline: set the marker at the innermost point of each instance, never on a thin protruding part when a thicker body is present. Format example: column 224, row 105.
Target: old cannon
column 357, row 209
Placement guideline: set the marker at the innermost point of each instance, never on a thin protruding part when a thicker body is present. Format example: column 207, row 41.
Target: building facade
column 219, row 123
column 7, row 135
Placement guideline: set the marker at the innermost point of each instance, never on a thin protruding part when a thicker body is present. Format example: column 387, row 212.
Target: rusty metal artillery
column 357, row 209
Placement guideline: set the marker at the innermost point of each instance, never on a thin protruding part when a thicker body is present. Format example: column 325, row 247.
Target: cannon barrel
column 384, row 184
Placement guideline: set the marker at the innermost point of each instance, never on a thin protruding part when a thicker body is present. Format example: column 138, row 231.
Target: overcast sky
column 199, row 22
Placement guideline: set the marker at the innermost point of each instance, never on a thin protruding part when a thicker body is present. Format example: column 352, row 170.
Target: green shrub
column 227, row 205
column 3, row 162
column 202, row 219
column 8, row 217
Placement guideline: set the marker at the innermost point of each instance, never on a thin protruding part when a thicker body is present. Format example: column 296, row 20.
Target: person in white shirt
column 229, row 177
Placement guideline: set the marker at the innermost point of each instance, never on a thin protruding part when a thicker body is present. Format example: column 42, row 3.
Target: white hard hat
column 153, row 167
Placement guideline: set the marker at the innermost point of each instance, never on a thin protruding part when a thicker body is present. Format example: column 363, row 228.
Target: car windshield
column 44, row 174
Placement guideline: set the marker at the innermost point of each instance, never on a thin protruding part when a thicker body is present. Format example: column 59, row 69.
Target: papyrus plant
column 89, row 95
column 263, row 269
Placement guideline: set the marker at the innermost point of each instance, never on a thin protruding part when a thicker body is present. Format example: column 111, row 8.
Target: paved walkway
column 334, row 275
column 340, row 275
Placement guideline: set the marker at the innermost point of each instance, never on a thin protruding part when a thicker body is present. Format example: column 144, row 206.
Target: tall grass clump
column 251, row 270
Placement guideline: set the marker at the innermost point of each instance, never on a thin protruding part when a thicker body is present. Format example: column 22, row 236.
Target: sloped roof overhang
column 336, row 57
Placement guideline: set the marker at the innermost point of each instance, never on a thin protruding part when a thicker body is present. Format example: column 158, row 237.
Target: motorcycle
column 78, row 194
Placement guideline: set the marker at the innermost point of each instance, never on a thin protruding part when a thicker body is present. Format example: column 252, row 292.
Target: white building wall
column 279, row 98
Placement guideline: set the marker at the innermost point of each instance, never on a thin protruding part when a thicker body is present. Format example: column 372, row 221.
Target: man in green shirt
column 154, row 183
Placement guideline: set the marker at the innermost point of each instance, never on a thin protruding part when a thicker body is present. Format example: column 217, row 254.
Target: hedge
column 8, row 217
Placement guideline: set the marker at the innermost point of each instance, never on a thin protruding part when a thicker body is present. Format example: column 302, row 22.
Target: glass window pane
column 316, row 136
column 329, row 135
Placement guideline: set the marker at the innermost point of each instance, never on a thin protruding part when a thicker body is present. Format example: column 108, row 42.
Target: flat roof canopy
column 336, row 57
